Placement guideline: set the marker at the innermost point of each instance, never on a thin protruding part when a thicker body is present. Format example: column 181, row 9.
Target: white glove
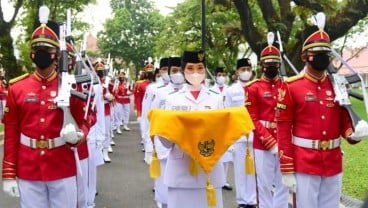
column 70, row 134
column 360, row 131
column 274, row 150
column 231, row 148
column 10, row 187
column 289, row 180
column 109, row 96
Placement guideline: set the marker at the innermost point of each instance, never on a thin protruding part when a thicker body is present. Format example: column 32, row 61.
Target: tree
column 183, row 32
column 291, row 17
column 8, row 60
column 131, row 33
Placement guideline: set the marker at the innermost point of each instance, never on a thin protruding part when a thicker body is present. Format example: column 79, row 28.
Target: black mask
column 100, row 73
column 271, row 72
column 43, row 59
column 319, row 62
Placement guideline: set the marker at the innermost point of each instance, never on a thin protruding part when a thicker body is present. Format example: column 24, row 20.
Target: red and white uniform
column 261, row 104
column 310, row 124
column 31, row 112
column 122, row 97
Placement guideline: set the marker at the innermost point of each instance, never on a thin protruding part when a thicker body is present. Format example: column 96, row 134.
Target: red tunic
column 139, row 91
column 306, row 109
column 261, row 104
column 121, row 93
column 3, row 91
column 31, row 111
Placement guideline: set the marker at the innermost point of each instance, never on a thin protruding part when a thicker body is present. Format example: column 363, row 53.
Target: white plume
column 270, row 38
column 43, row 14
column 320, row 20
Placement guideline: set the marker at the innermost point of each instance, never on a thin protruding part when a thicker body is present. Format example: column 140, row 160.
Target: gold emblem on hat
column 201, row 56
column 206, row 148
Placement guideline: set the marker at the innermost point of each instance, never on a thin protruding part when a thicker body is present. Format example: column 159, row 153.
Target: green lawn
column 355, row 180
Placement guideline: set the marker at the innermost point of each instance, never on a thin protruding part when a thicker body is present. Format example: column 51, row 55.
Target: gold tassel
column 155, row 169
column 249, row 162
column 193, row 167
column 211, row 193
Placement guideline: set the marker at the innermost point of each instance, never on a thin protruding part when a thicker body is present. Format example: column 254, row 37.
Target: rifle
column 284, row 57
column 65, row 82
column 341, row 88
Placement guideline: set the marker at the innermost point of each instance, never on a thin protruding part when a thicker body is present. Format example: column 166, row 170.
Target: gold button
column 323, row 117
column 324, row 133
column 321, row 102
column 42, row 120
column 42, row 137
column 42, row 102
column 319, row 88
column 274, row 97
column 43, row 87
column 273, row 85
column 42, row 152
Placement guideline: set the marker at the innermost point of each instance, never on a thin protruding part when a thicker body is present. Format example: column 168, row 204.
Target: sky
column 99, row 18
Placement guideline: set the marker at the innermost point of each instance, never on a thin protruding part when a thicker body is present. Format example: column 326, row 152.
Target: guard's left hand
column 70, row 135
column 360, row 131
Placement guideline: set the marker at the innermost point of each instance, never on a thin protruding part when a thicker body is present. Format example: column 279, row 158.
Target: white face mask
column 177, row 78
column 195, row 79
column 165, row 76
column 159, row 80
column 220, row 80
column 245, row 76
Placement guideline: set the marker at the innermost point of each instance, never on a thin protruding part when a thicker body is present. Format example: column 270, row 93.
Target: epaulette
column 251, row 82
column 139, row 81
column 294, row 78
column 16, row 79
column 213, row 91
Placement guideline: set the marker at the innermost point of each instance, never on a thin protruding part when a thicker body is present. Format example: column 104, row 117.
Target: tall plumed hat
column 270, row 53
column 46, row 32
column 315, row 38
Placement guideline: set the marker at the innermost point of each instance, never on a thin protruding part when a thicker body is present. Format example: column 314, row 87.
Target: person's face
column 192, row 68
column 243, row 69
column 175, row 69
column 221, row 74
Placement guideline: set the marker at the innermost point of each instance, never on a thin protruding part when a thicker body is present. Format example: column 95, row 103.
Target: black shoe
column 242, row 206
column 251, row 206
column 228, row 188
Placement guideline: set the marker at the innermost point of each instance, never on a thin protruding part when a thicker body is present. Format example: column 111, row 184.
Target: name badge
column 31, row 100
column 267, row 94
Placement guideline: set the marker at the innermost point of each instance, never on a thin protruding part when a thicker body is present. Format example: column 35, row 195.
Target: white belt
column 268, row 124
column 41, row 144
column 317, row 144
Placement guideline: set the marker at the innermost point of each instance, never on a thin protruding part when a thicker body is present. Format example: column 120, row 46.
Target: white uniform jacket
column 177, row 168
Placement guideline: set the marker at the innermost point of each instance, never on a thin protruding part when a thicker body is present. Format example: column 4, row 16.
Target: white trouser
column 160, row 188
column 316, row 192
column 60, row 193
column 107, row 141
column 82, row 184
column 245, row 185
column 188, row 198
column 126, row 113
column 268, row 174
column 118, row 115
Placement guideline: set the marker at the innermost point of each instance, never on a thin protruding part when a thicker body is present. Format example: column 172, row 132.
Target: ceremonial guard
column 188, row 188
column 176, row 76
column 122, row 97
column 108, row 98
column 220, row 87
column 261, row 104
column 236, row 95
column 310, row 125
column 38, row 155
